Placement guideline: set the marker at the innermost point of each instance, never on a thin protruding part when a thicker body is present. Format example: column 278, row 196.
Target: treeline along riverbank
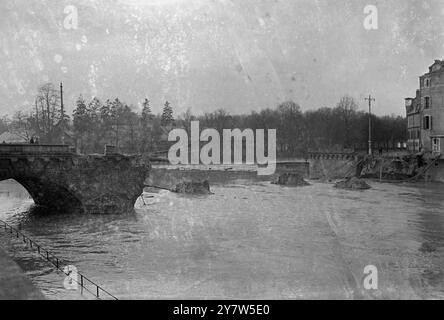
column 137, row 129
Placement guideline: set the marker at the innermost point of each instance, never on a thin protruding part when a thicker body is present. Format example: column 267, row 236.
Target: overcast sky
column 240, row 55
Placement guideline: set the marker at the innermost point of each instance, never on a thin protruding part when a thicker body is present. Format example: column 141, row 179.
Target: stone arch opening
column 65, row 181
column 49, row 194
column 11, row 188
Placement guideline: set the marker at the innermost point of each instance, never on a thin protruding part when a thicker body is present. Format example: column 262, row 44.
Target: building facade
column 425, row 112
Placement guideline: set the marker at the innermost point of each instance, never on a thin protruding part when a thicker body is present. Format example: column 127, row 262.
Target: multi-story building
column 425, row 112
column 413, row 123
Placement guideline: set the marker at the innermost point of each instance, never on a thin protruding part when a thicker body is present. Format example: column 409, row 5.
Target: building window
column 436, row 145
column 427, row 102
column 428, row 83
column 427, row 123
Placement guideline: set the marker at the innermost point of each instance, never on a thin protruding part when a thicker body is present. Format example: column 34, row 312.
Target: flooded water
column 250, row 240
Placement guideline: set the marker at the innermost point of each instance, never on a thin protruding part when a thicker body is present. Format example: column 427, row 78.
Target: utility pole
column 370, row 99
column 62, row 113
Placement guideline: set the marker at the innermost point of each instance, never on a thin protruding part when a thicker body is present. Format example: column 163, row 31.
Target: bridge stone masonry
column 58, row 178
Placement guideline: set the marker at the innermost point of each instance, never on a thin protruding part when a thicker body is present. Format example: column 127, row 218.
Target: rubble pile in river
column 397, row 168
column 290, row 179
column 192, row 187
column 352, row 184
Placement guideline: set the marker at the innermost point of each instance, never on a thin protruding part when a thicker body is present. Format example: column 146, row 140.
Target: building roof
column 438, row 65
column 412, row 106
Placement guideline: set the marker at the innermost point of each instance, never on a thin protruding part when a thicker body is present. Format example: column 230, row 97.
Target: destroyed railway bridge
column 58, row 178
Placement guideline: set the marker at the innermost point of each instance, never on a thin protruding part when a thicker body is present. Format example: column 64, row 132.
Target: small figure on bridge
column 32, row 140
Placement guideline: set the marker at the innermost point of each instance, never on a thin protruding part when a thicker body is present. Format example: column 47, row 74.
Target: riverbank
column 14, row 284
column 393, row 167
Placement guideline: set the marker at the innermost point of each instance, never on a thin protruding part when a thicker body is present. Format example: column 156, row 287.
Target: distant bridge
column 332, row 155
column 56, row 177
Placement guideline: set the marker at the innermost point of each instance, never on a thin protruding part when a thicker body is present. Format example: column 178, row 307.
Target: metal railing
column 57, row 263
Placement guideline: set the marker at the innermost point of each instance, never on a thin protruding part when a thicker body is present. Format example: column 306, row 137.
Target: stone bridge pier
column 59, row 179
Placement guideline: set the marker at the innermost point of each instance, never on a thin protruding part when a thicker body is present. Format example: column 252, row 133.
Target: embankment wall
column 334, row 167
column 14, row 284
column 436, row 172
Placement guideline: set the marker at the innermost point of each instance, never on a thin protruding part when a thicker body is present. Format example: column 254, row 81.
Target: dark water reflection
column 248, row 240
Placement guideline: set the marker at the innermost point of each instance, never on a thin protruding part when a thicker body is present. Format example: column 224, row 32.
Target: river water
column 250, row 240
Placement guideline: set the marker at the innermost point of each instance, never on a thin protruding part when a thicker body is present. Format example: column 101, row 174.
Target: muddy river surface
column 250, row 240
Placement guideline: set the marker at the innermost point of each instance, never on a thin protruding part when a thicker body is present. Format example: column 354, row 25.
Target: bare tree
column 47, row 113
column 347, row 107
column 21, row 126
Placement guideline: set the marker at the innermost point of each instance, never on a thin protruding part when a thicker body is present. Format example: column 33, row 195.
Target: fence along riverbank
column 93, row 288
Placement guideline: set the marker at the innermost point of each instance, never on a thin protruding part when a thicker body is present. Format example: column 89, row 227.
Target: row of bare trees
column 95, row 123
column 43, row 120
